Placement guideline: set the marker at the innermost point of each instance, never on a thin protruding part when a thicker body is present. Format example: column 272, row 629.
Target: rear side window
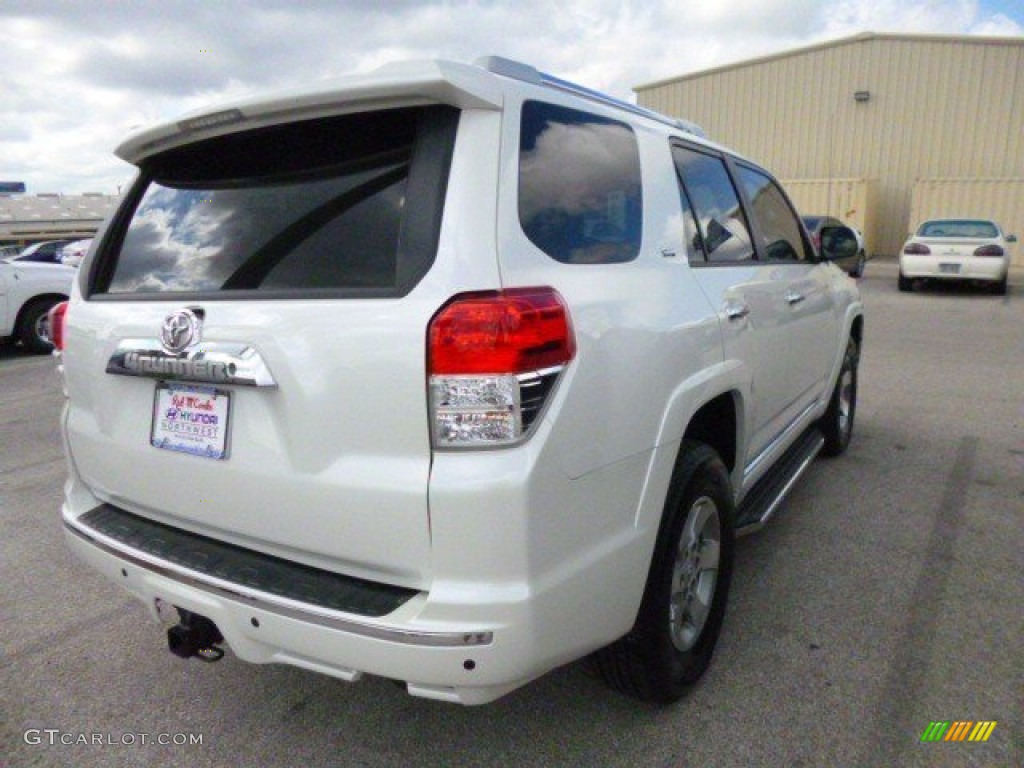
column 777, row 225
column 341, row 206
column 580, row 195
column 716, row 204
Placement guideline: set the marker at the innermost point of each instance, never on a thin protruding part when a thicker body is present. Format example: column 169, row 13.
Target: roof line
column 860, row 37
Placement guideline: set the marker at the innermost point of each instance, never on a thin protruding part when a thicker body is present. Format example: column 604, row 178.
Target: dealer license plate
column 949, row 269
column 191, row 419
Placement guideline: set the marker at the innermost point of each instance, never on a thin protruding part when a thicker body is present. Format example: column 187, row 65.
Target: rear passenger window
column 716, row 205
column 579, row 185
column 777, row 224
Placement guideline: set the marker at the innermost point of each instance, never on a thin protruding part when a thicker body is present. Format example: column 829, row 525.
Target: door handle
column 794, row 298
column 736, row 311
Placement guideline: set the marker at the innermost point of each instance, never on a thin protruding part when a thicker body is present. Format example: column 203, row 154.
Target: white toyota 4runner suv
column 450, row 374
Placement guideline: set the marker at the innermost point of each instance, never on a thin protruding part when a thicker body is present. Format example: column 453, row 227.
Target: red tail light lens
column 494, row 358
column 989, row 250
column 513, row 331
column 917, row 249
column 56, row 317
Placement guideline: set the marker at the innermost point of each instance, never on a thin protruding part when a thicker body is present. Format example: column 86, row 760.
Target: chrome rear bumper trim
column 271, row 604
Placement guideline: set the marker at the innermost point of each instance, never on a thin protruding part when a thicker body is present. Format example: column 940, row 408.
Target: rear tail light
column 989, row 250
column 493, row 360
column 917, row 249
column 56, row 317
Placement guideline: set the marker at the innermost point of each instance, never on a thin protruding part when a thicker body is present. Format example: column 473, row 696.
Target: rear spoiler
column 402, row 84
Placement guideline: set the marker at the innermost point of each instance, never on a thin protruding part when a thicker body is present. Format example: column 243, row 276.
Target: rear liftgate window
column 579, row 185
column 344, row 206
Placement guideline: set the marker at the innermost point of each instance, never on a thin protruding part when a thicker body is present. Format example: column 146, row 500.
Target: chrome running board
column 765, row 497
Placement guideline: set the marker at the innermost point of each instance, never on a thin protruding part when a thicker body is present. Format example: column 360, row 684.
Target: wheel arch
column 51, row 296
column 711, row 409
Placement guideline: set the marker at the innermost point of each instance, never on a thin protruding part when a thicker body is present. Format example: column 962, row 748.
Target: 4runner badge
column 180, row 330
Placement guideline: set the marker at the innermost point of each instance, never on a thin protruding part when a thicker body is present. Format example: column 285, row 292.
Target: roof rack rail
column 529, row 74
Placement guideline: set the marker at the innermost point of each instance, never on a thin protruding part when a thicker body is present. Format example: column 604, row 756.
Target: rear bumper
column 463, row 664
column 514, row 592
column 954, row 267
column 491, row 621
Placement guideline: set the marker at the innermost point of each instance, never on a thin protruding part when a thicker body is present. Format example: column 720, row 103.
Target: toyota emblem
column 180, row 330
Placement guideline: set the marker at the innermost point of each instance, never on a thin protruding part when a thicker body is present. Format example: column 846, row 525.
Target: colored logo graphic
column 958, row 730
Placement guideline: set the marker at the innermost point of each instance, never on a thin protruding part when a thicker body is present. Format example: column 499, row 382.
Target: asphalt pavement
column 886, row 594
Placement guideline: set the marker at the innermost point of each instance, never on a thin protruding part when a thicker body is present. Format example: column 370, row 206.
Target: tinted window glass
column 716, row 204
column 579, row 185
column 958, row 228
column 48, row 253
column 694, row 244
column 777, row 224
column 306, row 206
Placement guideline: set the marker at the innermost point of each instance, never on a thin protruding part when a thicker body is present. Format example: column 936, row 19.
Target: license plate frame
column 946, row 268
column 192, row 419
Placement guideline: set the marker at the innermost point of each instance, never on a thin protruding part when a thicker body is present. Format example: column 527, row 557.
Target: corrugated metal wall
column 1001, row 200
column 938, row 107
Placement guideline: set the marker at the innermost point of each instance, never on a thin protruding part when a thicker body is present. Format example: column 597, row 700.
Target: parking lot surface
column 886, row 594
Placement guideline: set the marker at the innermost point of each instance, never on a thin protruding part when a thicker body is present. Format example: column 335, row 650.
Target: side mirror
column 1011, row 238
column 838, row 243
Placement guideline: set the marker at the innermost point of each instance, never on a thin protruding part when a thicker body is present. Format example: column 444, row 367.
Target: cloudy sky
column 78, row 75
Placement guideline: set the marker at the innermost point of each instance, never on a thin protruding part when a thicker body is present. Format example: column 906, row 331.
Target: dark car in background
column 852, row 265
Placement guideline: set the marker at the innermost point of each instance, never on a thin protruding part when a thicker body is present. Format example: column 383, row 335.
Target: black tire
column 1000, row 288
column 905, row 283
column 837, row 423
column 663, row 655
column 33, row 328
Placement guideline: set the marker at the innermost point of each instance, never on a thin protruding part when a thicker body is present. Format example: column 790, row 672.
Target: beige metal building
column 882, row 130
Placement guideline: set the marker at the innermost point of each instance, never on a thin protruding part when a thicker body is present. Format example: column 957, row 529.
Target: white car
column 481, row 376
column 71, row 255
column 28, row 290
column 957, row 249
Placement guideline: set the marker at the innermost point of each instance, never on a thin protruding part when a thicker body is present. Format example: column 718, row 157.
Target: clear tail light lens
column 917, row 249
column 493, row 359
column 989, row 250
column 56, row 317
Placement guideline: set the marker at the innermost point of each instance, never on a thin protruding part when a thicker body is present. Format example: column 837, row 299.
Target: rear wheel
column 680, row 617
column 837, row 423
column 905, row 283
column 34, row 328
column 999, row 288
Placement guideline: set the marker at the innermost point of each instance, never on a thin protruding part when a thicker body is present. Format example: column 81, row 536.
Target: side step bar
column 766, row 496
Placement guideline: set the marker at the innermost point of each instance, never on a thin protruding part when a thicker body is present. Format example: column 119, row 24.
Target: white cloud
column 86, row 73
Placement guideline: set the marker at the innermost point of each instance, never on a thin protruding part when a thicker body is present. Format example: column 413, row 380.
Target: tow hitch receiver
column 195, row 635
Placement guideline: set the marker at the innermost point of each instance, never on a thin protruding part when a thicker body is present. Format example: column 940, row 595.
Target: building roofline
column 836, row 43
